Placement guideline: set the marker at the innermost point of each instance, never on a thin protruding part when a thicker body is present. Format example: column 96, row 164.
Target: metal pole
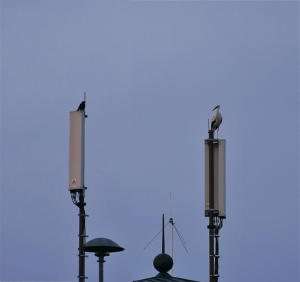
column 171, row 221
column 217, row 254
column 82, row 235
column 81, row 276
column 101, row 261
column 171, row 239
column 211, row 206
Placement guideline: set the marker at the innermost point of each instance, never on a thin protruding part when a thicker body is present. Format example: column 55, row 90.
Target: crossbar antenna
column 177, row 231
column 171, row 222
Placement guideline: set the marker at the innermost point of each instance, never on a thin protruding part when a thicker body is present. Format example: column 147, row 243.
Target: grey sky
column 152, row 70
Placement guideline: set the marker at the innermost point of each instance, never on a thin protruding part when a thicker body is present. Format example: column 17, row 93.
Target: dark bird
column 216, row 120
column 81, row 106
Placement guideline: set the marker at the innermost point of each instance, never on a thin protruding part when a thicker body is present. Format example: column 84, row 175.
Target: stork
column 216, row 120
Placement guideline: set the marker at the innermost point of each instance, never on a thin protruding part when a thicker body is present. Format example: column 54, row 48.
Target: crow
column 81, row 106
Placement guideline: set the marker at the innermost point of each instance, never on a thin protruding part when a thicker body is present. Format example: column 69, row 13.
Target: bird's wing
column 214, row 118
column 213, row 122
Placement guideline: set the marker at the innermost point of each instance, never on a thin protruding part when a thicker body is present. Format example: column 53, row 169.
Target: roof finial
column 163, row 262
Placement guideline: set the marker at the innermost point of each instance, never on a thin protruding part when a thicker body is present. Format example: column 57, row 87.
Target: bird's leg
column 218, row 133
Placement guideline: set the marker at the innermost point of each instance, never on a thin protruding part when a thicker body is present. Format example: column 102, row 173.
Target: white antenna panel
column 76, row 156
column 219, row 177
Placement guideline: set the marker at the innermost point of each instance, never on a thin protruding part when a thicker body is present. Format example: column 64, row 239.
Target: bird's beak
column 214, row 108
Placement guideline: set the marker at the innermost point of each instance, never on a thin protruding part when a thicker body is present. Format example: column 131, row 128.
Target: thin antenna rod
column 163, row 234
column 171, row 210
column 171, row 221
column 84, row 96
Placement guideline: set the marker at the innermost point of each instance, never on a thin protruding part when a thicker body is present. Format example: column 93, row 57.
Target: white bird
column 216, row 120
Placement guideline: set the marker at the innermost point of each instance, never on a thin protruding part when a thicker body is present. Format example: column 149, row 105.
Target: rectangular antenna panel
column 219, row 177
column 76, row 156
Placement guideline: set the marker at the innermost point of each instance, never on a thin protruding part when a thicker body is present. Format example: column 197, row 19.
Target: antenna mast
column 171, row 221
column 76, row 177
column 214, row 198
column 172, row 227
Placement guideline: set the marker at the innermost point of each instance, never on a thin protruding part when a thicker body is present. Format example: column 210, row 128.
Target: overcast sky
column 152, row 70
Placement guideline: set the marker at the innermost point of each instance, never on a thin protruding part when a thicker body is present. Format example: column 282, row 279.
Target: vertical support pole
column 211, row 206
column 82, row 235
column 82, row 215
column 171, row 221
column 101, row 261
column 81, row 274
column 217, row 253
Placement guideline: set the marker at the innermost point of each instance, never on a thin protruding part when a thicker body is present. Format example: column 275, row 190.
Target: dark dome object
column 102, row 245
column 163, row 263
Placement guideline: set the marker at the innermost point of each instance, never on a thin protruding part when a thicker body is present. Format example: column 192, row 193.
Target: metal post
column 218, row 226
column 101, row 261
column 211, row 206
column 82, row 214
column 171, row 221
column 82, row 235
column 217, row 254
